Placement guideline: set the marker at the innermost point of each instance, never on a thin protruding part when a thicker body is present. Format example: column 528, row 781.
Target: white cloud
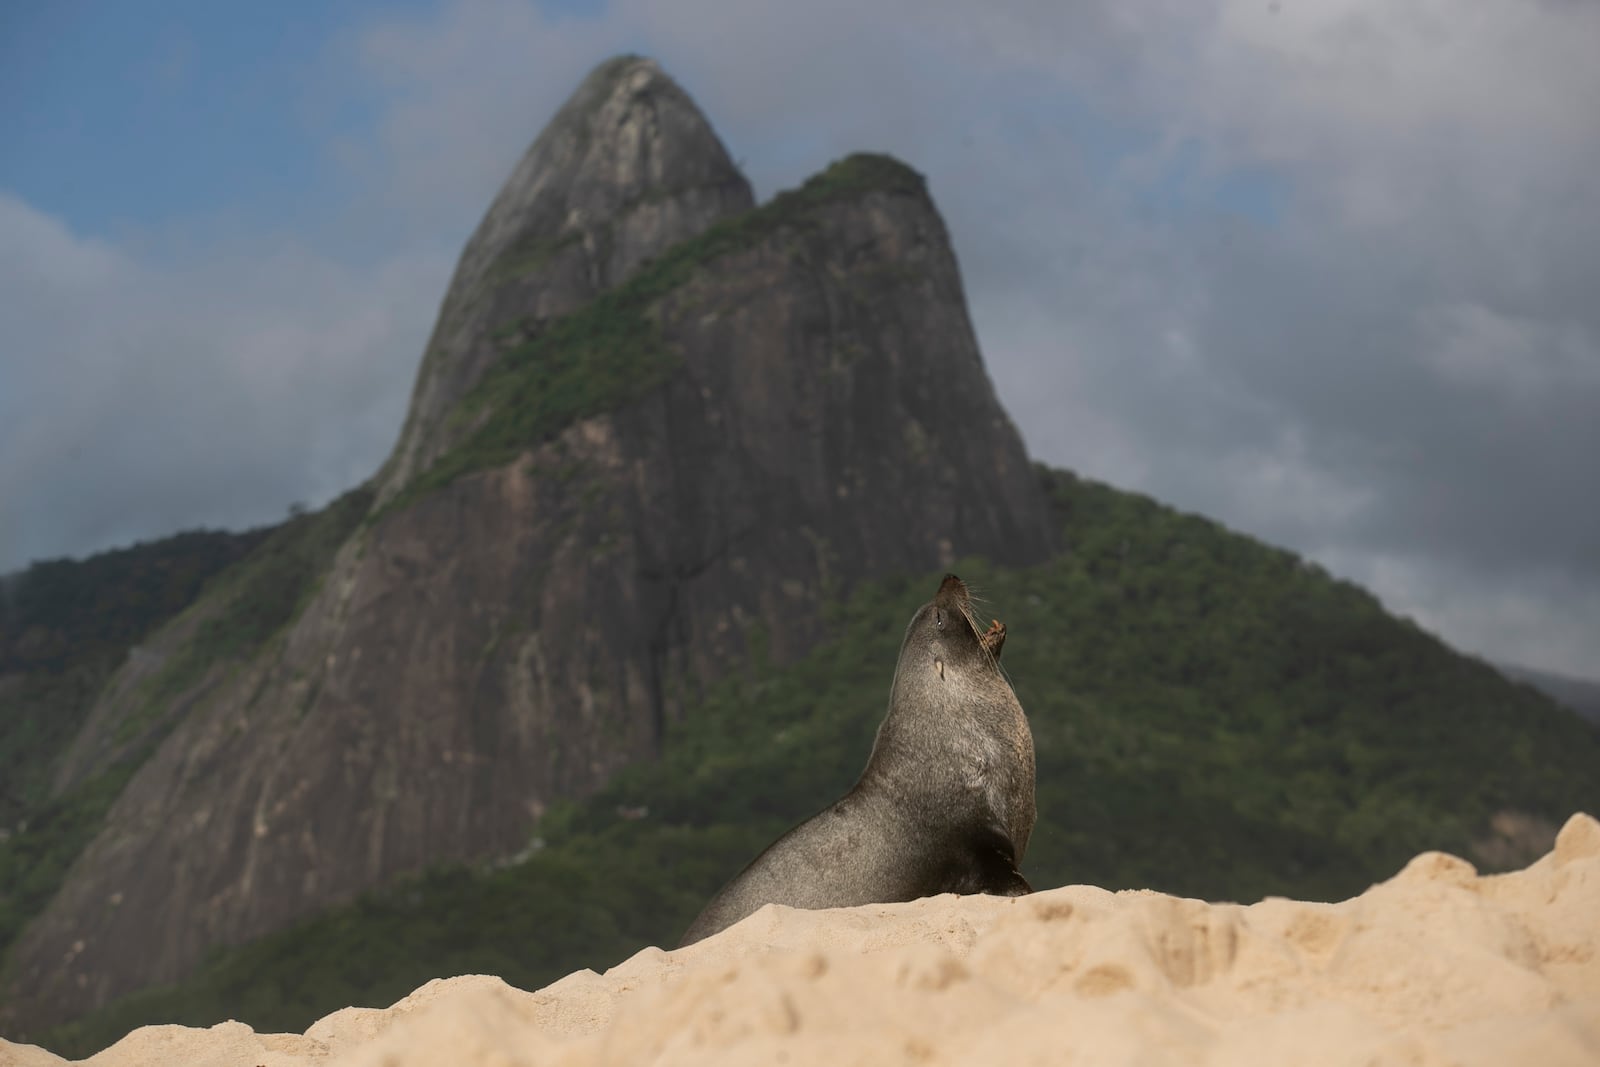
column 1537, row 618
column 214, row 392
column 1473, row 346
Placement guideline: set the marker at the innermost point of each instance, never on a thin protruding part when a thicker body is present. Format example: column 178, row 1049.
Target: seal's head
column 944, row 637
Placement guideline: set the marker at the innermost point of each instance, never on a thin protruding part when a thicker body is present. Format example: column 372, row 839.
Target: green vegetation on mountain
column 611, row 350
column 98, row 608
column 1213, row 718
column 250, row 603
column 65, row 625
column 34, row 861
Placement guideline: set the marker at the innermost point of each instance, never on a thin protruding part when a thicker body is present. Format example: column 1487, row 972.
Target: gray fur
column 945, row 804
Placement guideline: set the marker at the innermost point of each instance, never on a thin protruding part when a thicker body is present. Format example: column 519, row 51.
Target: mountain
column 655, row 431
column 1214, row 718
column 1579, row 694
column 625, row 600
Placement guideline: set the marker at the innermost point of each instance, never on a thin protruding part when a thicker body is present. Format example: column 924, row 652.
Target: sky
column 1328, row 272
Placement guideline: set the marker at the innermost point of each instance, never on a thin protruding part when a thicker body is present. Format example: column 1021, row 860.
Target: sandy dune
column 1435, row 966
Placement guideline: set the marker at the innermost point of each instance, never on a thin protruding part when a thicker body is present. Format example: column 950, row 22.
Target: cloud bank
column 1322, row 271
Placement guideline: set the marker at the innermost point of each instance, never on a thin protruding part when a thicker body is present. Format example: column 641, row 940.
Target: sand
column 1438, row 965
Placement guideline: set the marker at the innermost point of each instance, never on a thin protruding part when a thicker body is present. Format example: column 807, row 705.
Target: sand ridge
column 1436, row 966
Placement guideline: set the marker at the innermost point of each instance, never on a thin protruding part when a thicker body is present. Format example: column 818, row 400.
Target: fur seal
column 945, row 804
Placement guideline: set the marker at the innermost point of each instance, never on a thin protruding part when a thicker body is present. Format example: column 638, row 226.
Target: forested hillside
column 65, row 624
column 70, row 624
column 1213, row 717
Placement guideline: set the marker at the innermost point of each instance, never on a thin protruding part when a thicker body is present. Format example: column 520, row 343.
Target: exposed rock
column 584, row 522
column 628, row 167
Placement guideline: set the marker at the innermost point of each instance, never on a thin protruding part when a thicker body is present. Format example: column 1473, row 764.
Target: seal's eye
column 938, row 618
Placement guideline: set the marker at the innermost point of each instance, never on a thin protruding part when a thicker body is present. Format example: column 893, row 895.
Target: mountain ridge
column 1582, row 695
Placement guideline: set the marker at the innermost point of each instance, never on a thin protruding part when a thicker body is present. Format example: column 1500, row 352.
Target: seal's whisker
column 981, row 632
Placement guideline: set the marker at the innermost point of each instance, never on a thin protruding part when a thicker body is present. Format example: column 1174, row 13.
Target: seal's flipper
column 994, row 638
column 1009, row 884
column 996, row 863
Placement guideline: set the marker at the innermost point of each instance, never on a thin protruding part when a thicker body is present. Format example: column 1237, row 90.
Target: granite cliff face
column 654, row 428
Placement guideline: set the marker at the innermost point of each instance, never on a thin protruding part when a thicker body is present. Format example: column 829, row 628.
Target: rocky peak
column 627, row 168
column 618, row 481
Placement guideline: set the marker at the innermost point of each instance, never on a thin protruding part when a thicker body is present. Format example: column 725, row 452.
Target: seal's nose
column 952, row 594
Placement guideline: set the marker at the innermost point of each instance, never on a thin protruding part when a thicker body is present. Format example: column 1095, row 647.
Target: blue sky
column 1320, row 271
column 138, row 117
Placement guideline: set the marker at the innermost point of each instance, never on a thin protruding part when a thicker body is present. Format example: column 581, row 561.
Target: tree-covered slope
column 1579, row 694
column 1213, row 718
column 69, row 625
column 66, row 624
